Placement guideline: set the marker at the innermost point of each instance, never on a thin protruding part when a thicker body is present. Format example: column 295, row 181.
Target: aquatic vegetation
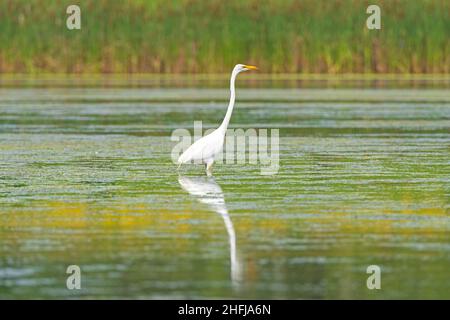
column 92, row 183
column 183, row 36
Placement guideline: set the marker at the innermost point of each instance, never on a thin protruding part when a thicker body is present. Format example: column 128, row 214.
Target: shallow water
column 86, row 178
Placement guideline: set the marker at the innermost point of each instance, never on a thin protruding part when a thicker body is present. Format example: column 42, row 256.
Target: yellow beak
column 250, row 67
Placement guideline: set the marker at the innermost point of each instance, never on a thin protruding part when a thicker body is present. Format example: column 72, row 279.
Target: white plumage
column 205, row 149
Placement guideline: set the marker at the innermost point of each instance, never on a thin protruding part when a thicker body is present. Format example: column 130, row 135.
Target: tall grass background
column 189, row 36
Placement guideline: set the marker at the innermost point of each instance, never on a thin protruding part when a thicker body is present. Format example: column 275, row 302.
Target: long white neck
column 226, row 120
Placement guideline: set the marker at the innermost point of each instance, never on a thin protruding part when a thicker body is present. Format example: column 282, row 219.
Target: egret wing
column 203, row 149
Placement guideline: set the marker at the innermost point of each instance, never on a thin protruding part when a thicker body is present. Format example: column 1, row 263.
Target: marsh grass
column 209, row 36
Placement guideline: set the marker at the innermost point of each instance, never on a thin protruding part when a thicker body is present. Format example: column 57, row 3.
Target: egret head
column 243, row 67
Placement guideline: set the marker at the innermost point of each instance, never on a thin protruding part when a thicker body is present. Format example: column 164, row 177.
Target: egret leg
column 209, row 165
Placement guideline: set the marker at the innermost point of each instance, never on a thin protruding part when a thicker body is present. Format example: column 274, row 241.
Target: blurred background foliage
column 188, row 36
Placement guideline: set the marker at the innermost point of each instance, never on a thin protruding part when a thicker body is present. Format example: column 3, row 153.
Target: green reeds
column 187, row 36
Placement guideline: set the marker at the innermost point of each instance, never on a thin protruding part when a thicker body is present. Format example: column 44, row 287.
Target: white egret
column 205, row 149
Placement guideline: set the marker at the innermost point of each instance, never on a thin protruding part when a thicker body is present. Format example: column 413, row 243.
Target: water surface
column 86, row 178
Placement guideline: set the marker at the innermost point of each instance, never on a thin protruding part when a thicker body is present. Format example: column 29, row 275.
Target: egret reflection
column 207, row 191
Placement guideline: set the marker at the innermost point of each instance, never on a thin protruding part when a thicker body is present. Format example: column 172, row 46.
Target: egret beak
column 250, row 67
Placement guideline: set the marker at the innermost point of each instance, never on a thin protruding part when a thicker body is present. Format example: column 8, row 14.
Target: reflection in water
column 207, row 191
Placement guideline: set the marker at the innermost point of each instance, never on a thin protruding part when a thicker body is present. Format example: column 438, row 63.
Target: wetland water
column 86, row 178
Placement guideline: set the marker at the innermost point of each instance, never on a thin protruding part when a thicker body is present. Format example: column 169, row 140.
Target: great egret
column 205, row 149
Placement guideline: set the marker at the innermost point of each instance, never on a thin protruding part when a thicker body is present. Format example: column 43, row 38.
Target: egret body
column 205, row 149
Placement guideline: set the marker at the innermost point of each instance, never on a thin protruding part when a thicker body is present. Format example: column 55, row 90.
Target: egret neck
column 223, row 127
